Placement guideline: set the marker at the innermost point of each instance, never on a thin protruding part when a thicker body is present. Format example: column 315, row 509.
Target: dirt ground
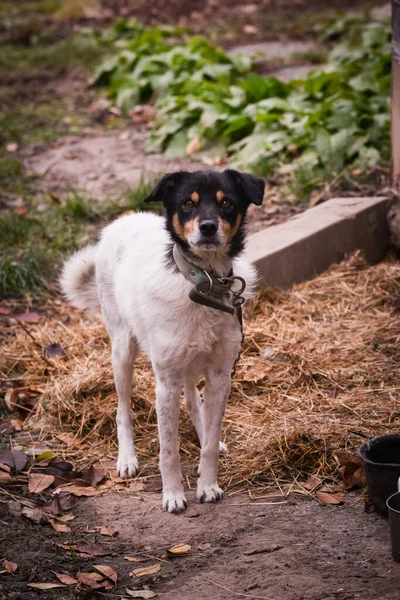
column 291, row 550
column 276, row 549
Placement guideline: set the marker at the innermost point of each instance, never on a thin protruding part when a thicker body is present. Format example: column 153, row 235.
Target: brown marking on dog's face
column 183, row 231
column 220, row 195
column 230, row 230
column 178, row 227
column 195, row 197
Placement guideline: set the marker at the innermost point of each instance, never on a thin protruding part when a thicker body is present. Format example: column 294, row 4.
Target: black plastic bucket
column 381, row 457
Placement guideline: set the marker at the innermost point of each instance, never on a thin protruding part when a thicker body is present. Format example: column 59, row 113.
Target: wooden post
column 395, row 105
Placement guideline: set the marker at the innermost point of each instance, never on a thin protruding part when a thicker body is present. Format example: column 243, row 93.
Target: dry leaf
column 77, row 490
column 136, row 559
column 39, row 482
column 312, row 482
column 53, row 351
column 28, row 317
column 67, row 546
column 95, row 476
column 5, row 310
column 193, row 146
column 141, row 594
column 9, row 567
column 35, row 515
column 179, row 549
column 327, row 498
column 66, row 578
column 14, row 459
column 60, row 527
column 92, row 580
column 45, row 585
column 109, row 532
column 107, row 572
column 65, row 518
column 146, row 571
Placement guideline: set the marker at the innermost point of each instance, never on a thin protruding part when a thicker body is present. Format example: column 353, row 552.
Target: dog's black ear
column 166, row 182
column 252, row 187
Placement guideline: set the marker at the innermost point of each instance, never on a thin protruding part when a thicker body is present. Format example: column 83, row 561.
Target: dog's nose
column 208, row 227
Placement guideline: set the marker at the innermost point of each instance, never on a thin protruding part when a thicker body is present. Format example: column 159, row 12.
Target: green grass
column 33, row 246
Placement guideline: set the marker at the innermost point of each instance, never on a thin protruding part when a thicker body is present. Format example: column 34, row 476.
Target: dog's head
column 206, row 210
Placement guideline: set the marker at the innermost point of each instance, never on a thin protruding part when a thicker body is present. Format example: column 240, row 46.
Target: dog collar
column 208, row 289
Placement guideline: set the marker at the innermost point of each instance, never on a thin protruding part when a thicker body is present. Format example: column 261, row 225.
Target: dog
column 172, row 286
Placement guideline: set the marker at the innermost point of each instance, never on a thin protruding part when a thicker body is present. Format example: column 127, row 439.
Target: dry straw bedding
column 319, row 372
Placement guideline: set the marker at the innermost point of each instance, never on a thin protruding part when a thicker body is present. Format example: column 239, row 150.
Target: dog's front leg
column 218, row 383
column 168, row 390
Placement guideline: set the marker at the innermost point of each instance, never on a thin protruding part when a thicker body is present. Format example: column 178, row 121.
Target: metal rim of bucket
column 366, row 446
column 390, row 508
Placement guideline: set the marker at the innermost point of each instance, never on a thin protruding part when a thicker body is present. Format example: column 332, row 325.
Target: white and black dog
column 172, row 287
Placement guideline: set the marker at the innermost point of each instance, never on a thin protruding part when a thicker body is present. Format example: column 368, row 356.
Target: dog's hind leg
column 168, row 390
column 194, row 405
column 123, row 354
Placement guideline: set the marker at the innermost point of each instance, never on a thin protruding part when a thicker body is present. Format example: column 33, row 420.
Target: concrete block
column 309, row 243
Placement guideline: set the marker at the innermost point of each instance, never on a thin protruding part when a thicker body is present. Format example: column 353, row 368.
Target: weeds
column 307, row 130
column 32, row 246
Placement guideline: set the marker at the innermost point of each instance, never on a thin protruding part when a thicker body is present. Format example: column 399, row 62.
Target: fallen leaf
column 29, row 317
column 65, row 518
column 136, row 559
column 253, row 373
column 95, row 476
column 6, row 428
column 53, row 351
column 146, row 571
column 67, row 546
column 66, row 578
column 9, row 567
column 45, row 585
column 109, row 532
column 145, row 594
column 59, row 527
column 93, row 580
column 327, row 498
column 92, row 549
column 312, row 482
column 347, row 457
column 35, row 515
column 62, row 501
column 5, row 310
column 46, row 455
column 78, row 490
column 153, row 486
column 107, row 572
column 193, row 146
column 59, row 468
column 39, row 482
column 21, row 210
column 251, row 29
column 11, row 399
column 12, row 147
column 5, row 471
column 179, row 549
column 14, row 459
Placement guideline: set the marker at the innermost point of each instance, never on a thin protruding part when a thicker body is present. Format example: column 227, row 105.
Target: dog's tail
column 78, row 279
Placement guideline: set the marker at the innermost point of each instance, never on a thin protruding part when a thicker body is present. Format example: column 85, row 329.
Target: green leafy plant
column 308, row 130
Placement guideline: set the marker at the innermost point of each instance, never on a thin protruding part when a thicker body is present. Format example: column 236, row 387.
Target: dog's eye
column 226, row 204
column 189, row 204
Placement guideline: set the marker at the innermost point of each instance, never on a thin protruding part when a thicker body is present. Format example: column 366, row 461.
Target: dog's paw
column 127, row 466
column 223, row 449
column 174, row 502
column 209, row 493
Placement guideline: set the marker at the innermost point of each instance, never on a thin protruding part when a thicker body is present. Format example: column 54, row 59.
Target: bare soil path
column 294, row 551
